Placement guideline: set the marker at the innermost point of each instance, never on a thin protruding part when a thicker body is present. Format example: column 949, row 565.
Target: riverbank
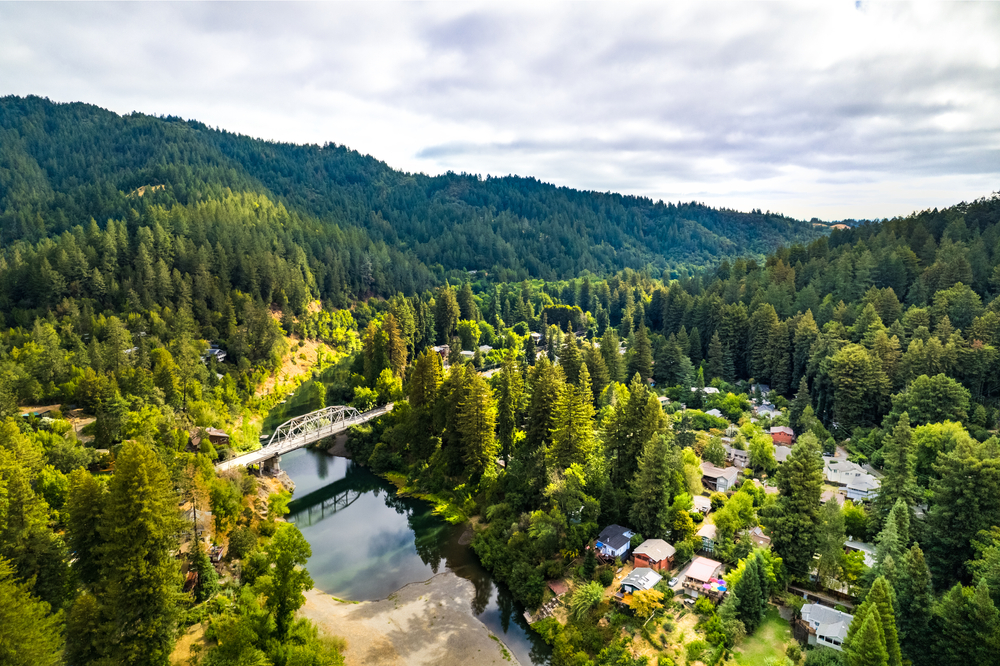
column 422, row 624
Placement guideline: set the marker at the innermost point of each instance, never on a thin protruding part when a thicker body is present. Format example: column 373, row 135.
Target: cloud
column 825, row 109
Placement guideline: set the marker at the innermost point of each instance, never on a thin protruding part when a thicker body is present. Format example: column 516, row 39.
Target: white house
column 708, row 390
column 641, row 578
column 738, row 457
column 716, row 413
column 860, row 484
column 827, row 626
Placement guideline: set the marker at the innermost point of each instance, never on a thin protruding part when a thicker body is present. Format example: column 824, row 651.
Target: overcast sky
column 826, row 109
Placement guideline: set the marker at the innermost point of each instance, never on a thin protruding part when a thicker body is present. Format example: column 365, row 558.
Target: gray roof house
column 718, row 479
column 614, row 541
column 642, row 578
column 827, row 626
column 860, row 484
column 781, row 452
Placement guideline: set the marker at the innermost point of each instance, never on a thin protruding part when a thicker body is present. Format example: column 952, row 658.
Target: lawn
column 768, row 642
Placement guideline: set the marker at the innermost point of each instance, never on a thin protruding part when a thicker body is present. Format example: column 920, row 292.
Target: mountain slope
column 61, row 164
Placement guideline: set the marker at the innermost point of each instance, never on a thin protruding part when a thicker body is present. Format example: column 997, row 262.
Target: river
column 367, row 541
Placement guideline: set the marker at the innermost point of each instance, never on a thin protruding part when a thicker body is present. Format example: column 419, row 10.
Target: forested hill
column 62, row 164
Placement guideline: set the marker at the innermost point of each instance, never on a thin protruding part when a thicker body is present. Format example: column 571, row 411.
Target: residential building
column 702, row 504
column 707, row 534
column 781, row 453
column 718, row 479
column 708, row 390
column 782, row 435
column 716, row 413
column 758, row 537
column 738, row 457
column 862, row 547
column 702, row 572
column 614, row 541
column 655, row 554
column 826, row 626
column 860, row 484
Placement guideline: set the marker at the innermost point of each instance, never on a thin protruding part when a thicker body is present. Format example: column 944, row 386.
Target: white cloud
column 820, row 109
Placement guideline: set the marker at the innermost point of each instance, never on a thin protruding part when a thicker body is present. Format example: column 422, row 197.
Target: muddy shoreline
column 429, row 623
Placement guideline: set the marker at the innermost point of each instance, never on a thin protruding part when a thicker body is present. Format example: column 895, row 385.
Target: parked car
column 673, row 581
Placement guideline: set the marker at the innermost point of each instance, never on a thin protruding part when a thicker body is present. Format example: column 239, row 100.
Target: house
column 707, row 534
column 443, row 351
column 738, row 457
column 708, row 390
column 485, row 349
column 826, row 626
column 716, row 413
column 663, row 400
column 655, row 554
column 758, row 537
column 535, row 337
column 782, row 435
column 700, row 576
column 641, row 578
column 828, row 495
column 718, row 479
column 860, row 484
column 467, row 355
column 219, row 354
column 613, row 541
column 781, row 453
column 860, row 546
column 214, row 435
column 764, row 389
column 767, row 410
column 702, row 504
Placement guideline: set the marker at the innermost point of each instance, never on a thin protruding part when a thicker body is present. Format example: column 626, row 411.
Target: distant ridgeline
column 63, row 164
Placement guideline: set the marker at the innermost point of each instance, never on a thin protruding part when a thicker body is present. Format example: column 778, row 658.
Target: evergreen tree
column 286, row 579
column 529, row 350
column 914, row 603
column 715, row 365
column 899, row 482
column 477, row 416
column 546, row 383
column 446, row 314
column 599, row 375
column 641, row 360
column 653, row 489
column 140, row 580
column 569, row 357
column 967, row 625
column 573, row 425
column 799, row 404
column 694, row 350
column 426, row 380
column 631, row 422
column 793, row 520
column 750, row 603
column 868, row 646
column 467, row 303
column 32, row 635
column 510, row 404
column 84, row 507
column 830, row 544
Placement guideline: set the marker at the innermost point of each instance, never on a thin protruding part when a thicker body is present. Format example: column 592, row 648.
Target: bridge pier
column 271, row 466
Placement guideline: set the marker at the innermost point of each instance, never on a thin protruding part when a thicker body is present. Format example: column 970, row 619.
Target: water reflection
column 367, row 542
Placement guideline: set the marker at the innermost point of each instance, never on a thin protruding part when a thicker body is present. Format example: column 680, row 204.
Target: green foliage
column 585, row 597
column 32, row 634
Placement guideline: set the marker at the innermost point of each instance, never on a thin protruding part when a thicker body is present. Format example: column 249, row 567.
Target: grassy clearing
column 768, row 642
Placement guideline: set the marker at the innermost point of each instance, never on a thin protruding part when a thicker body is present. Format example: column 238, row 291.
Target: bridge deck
column 300, row 439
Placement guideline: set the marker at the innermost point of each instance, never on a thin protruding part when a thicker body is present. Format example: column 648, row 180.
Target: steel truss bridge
column 303, row 431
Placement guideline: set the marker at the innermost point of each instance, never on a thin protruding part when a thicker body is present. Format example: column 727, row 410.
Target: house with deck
column 826, row 626
column 655, row 554
column 859, row 484
column 614, row 541
column 703, row 578
column 717, row 479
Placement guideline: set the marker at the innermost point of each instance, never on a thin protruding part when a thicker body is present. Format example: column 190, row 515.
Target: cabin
column 738, row 457
column 825, row 626
column 655, row 554
column 782, row 435
column 707, row 534
column 614, row 541
column 758, row 537
column 213, row 435
column 717, row 479
column 702, row 578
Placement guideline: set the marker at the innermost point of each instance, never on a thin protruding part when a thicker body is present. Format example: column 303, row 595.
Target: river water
column 367, row 542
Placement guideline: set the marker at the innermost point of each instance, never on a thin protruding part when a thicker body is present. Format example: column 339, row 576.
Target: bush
column 718, row 500
column 242, row 540
column 824, row 656
column 606, row 576
column 794, row 652
column 696, row 650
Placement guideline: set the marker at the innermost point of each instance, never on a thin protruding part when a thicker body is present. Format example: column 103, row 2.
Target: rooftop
column 702, row 569
column 655, row 549
column 642, row 578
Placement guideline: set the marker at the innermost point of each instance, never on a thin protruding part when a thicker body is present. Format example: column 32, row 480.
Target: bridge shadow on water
column 368, row 542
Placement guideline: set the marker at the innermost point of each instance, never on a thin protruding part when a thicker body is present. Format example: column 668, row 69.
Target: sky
column 813, row 109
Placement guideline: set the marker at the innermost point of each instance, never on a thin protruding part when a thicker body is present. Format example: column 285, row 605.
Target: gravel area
column 422, row 624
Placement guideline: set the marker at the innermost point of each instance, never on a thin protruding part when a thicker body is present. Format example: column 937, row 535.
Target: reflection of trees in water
column 505, row 602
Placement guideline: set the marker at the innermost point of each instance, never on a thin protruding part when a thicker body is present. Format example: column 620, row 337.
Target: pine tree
column 694, row 350
column 915, row 601
column 546, row 388
column 426, row 380
column 140, row 580
column 781, row 360
column 573, row 425
column 32, row 635
column 868, row 648
column 793, row 520
column 467, row 303
column 569, row 356
column 529, row 350
column 84, row 506
column 900, row 481
column 799, row 404
column 477, row 418
column 880, row 606
column 599, row 376
column 653, row 489
column 889, row 543
column 715, row 366
column 395, row 346
column 510, row 404
column 750, row 603
column 632, row 422
column 967, row 627
column 446, row 314
column 609, row 352
column 641, row 361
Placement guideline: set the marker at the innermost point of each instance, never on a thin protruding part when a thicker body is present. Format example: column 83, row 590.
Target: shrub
column 584, row 598
column 794, row 652
column 606, row 576
column 718, row 500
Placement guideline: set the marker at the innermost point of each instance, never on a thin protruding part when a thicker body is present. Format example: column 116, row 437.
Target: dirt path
column 422, row 624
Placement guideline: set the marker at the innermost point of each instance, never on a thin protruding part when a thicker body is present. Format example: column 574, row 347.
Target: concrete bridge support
column 270, row 467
